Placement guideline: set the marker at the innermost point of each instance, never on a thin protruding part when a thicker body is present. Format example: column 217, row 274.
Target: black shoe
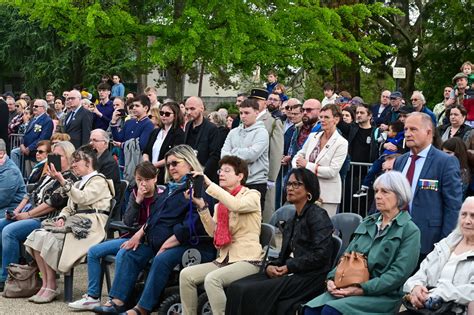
column 360, row 193
column 2, row 286
column 112, row 309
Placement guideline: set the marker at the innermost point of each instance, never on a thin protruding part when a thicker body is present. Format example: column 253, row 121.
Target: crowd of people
column 193, row 173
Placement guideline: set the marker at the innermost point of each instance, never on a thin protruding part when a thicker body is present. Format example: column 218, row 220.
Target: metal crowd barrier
column 351, row 185
column 15, row 140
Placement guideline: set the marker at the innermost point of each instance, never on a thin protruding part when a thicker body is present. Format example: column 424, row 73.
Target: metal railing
column 15, row 140
column 351, row 185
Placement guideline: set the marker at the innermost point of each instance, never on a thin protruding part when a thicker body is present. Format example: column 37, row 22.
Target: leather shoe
column 48, row 299
column 112, row 309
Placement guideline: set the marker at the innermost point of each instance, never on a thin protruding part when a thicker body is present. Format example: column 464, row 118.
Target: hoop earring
column 309, row 196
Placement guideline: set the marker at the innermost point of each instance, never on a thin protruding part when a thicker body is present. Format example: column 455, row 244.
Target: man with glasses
column 10, row 99
column 39, row 128
column 50, row 98
column 203, row 136
column 418, row 102
column 78, row 122
column 99, row 140
column 380, row 110
column 396, row 103
column 273, row 106
column 103, row 111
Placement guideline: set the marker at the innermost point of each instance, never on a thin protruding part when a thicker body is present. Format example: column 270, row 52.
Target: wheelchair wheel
column 204, row 308
column 171, row 305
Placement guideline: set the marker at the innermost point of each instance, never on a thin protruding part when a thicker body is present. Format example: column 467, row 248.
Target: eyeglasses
column 294, row 185
column 70, row 98
column 96, row 140
column 36, row 106
column 41, row 151
column 173, row 163
column 309, row 110
column 273, row 99
column 166, row 114
column 415, row 99
column 288, row 107
column 394, row 98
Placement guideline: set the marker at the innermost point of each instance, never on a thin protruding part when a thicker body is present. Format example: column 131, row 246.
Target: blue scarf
column 173, row 186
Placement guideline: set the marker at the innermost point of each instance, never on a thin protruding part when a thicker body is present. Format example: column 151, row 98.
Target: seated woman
column 447, row 273
column 40, row 169
column 45, row 201
column 457, row 126
column 171, row 229
column 143, row 199
column 305, row 257
column 235, row 228
column 86, row 213
column 391, row 242
column 167, row 135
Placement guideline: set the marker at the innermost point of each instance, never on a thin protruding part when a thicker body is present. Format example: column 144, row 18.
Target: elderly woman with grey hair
column 391, row 242
column 447, row 273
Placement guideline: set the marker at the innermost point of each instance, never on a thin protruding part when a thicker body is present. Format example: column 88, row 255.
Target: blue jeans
column 94, row 268
column 322, row 310
column 15, row 155
column 13, row 234
column 129, row 263
column 374, row 170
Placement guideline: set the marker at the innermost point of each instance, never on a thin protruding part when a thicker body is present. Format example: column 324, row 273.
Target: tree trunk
column 201, row 77
column 175, row 82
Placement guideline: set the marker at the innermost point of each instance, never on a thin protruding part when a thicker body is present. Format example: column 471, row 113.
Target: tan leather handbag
column 22, row 281
column 351, row 270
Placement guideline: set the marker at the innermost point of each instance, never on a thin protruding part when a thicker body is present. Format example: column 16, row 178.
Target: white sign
column 399, row 73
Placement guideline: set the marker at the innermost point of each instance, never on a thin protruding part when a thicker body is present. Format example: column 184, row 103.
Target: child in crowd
column 393, row 145
column 281, row 90
column 466, row 68
column 329, row 95
column 272, row 80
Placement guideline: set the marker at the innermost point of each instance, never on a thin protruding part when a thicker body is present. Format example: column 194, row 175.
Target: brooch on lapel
column 37, row 128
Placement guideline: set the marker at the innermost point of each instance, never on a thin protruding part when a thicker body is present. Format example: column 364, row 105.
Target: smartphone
column 55, row 160
column 122, row 112
column 198, row 182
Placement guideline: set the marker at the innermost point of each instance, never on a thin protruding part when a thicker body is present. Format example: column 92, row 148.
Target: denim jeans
column 94, row 267
column 15, row 156
column 374, row 170
column 13, row 233
column 322, row 310
column 129, row 263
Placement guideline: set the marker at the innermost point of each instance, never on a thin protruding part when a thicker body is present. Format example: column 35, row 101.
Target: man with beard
column 273, row 106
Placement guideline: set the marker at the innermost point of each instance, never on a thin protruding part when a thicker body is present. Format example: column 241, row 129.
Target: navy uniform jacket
column 37, row 130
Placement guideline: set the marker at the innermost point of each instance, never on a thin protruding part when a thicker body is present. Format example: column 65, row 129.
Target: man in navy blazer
column 380, row 110
column 436, row 182
column 39, row 128
column 78, row 122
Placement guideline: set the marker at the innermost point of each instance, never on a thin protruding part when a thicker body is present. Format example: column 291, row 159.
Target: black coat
column 207, row 146
column 174, row 137
column 309, row 237
column 79, row 128
column 109, row 168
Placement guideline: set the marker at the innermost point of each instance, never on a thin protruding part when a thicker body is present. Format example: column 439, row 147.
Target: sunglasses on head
column 166, row 114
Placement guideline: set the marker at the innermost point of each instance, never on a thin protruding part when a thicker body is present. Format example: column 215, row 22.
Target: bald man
column 203, row 136
column 78, row 122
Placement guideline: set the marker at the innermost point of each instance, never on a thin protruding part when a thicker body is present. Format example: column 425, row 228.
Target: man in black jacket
column 78, row 123
column 99, row 140
column 203, row 137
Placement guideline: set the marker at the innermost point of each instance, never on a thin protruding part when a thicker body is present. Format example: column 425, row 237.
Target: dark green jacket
column 391, row 259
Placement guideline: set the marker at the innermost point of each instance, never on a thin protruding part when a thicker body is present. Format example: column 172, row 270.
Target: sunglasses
column 41, row 151
column 414, row 99
column 288, row 107
column 166, row 114
column 173, row 163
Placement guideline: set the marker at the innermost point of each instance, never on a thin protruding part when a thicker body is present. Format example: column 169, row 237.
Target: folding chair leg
column 68, row 285
column 107, row 277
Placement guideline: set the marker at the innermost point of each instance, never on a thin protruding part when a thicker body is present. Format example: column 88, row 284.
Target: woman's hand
column 117, row 144
column 332, row 289
column 272, row 271
column 56, row 175
column 199, row 202
column 344, row 292
column 59, row 222
column 132, row 243
column 418, row 296
column 21, row 216
column 171, row 242
column 141, row 191
column 207, row 181
column 301, row 162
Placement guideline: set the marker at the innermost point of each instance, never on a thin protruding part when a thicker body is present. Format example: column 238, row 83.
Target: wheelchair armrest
column 122, row 227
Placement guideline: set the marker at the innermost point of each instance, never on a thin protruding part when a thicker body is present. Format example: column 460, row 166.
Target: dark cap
column 458, row 76
column 357, row 100
column 396, row 94
column 259, row 94
column 406, row 110
column 8, row 94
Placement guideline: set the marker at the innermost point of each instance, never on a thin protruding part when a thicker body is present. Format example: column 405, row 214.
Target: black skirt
column 259, row 294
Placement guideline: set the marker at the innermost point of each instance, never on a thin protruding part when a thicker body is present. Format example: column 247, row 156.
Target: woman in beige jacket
column 87, row 212
column 235, row 228
column 324, row 153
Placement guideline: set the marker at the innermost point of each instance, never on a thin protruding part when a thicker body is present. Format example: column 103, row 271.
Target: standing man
column 359, row 134
column 10, row 99
column 440, row 109
column 393, row 114
column 104, row 109
column 380, row 110
column 240, row 98
column 50, row 98
column 275, row 150
column 273, row 106
column 249, row 142
column 435, row 182
column 118, row 89
column 78, row 122
column 39, row 128
column 152, row 95
column 418, row 102
column 203, row 137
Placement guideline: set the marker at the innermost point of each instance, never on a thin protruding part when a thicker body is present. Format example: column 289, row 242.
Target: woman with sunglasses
column 65, row 239
column 167, row 135
column 173, row 226
column 40, row 168
column 299, row 272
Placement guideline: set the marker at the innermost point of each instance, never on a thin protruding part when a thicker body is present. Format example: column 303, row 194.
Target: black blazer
column 208, row 147
column 174, row 137
column 79, row 128
column 109, row 168
column 309, row 237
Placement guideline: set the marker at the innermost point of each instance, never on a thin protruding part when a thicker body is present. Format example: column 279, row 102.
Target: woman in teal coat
column 391, row 242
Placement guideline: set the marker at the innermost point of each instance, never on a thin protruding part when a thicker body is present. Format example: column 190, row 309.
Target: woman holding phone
column 235, row 228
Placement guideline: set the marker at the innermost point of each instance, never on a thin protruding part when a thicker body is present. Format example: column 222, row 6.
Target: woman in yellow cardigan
column 235, row 228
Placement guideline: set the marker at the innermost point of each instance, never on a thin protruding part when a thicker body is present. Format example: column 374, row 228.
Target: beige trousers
column 215, row 279
column 331, row 208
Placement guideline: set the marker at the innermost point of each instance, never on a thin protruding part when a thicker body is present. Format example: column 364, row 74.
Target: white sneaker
column 86, row 303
